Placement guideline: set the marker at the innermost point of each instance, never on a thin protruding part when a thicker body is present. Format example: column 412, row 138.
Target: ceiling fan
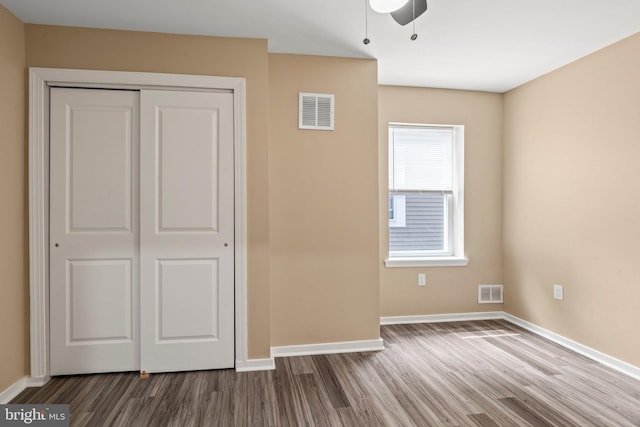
column 402, row 11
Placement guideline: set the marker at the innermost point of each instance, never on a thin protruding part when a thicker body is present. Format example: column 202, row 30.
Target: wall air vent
column 489, row 294
column 315, row 111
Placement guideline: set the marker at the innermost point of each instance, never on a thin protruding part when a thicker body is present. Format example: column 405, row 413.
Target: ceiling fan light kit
column 409, row 12
column 387, row 6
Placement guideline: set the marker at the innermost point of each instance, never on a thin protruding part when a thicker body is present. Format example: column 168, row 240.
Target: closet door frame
column 40, row 80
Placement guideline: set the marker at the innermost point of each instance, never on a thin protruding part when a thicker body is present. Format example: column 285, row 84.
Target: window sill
column 427, row 262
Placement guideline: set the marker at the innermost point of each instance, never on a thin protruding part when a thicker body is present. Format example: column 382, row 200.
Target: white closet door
column 93, row 231
column 187, row 231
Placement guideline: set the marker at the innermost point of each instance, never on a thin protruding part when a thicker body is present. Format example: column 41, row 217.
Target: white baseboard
column 612, row 362
column 13, row 390
column 377, row 344
column 327, row 348
column 255, row 365
column 437, row 318
column 307, row 350
column 37, row 381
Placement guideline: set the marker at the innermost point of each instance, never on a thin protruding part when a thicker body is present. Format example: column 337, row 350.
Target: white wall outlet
column 558, row 292
column 422, row 279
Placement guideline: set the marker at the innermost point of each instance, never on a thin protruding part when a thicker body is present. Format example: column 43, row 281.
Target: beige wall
column 572, row 200
column 318, row 206
column 449, row 289
column 14, row 288
column 323, row 200
column 65, row 47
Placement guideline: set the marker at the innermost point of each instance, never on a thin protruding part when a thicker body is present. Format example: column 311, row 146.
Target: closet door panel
column 187, row 231
column 93, row 231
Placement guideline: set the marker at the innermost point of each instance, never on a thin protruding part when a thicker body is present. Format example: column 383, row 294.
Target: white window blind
column 421, row 158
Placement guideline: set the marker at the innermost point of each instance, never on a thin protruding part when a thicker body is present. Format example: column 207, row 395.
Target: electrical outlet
column 558, row 292
column 422, row 279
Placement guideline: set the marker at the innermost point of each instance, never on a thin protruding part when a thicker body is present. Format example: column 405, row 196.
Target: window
column 426, row 165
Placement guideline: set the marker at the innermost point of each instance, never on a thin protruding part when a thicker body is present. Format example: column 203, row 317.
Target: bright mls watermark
column 34, row 415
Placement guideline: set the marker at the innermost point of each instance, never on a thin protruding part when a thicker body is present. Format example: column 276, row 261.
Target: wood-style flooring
column 481, row 373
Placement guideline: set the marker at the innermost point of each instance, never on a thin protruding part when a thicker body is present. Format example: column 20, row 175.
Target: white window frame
column 454, row 227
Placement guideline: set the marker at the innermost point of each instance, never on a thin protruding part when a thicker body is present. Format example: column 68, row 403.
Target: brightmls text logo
column 34, row 415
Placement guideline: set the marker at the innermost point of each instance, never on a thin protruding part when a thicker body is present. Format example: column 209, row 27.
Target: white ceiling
column 488, row 45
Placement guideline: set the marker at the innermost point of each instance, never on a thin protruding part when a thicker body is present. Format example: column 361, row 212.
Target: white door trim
column 40, row 79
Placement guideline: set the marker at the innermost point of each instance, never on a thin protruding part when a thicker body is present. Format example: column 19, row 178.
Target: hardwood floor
column 484, row 373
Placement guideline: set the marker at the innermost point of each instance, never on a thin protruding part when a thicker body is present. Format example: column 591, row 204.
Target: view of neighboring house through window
column 425, row 197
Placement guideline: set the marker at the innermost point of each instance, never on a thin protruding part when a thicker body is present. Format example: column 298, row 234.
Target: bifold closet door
column 187, row 231
column 94, row 231
column 141, row 231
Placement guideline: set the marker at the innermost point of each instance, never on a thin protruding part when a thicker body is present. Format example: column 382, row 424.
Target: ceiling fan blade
column 405, row 14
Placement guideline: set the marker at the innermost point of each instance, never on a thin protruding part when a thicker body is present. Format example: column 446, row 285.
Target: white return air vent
column 315, row 111
column 489, row 294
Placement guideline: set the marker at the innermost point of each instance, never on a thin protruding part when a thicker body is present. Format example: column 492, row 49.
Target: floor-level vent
column 489, row 294
column 315, row 111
